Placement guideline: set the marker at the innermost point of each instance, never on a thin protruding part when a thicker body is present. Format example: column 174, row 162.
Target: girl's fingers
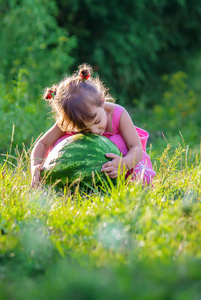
column 113, row 174
column 115, row 163
column 36, row 177
column 108, row 168
column 111, row 167
column 34, row 182
column 111, row 155
column 110, row 172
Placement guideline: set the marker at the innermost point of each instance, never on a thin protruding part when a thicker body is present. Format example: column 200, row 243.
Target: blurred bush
column 21, row 117
column 131, row 44
column 179, row 109
column 35, row 53
column 32, row 39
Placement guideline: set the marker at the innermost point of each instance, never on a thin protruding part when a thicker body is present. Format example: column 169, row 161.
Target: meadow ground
column 120, row 242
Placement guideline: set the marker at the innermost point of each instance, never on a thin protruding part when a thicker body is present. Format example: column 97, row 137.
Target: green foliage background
column 132, row 43
column 134, row 46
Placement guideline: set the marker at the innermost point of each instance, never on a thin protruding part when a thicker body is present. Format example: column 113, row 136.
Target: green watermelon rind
column 63, row 169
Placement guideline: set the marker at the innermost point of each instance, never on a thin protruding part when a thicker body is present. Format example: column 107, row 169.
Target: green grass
column 124, row 242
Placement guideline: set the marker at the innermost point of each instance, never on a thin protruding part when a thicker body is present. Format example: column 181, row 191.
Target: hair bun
column 85, row 72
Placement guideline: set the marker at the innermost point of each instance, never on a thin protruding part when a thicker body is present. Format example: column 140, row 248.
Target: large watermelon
column 78, row 156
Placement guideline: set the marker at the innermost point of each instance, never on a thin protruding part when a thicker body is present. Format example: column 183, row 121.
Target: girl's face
column 99, row 123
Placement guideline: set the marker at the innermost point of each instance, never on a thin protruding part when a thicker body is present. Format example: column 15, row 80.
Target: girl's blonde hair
column 71, row 99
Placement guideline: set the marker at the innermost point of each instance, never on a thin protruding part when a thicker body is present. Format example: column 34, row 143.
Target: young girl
column 80, row 103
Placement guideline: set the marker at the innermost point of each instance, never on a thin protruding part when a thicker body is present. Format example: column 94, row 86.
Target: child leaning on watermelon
column 81, row 104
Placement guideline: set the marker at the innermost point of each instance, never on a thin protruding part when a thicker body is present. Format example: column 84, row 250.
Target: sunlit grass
column 102, row 235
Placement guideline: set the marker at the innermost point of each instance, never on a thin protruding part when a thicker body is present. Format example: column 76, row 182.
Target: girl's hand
column 36, row 175
column 112, row 167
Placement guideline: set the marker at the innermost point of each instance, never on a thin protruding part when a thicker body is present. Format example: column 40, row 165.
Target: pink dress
column 143, row 170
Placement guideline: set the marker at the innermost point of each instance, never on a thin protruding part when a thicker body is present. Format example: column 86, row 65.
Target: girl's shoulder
column 111, row 107
column 111, row 110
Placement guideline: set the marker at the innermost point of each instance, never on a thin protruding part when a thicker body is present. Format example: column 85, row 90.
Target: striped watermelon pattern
column 78, row 156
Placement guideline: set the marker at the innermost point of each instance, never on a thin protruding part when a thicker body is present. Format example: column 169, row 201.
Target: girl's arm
column 134, row 146
column 40, row 150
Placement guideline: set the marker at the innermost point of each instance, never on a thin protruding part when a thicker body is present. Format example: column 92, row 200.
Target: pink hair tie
column 84, row 77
